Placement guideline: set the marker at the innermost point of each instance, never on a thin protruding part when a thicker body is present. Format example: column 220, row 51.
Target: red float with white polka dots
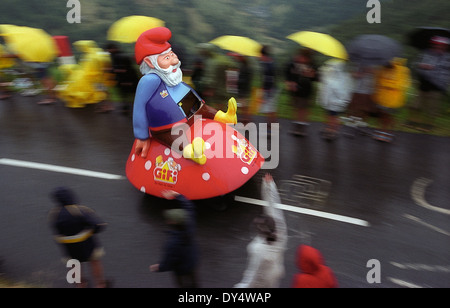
column 231, row 162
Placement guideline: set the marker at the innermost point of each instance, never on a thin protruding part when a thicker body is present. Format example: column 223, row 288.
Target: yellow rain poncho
column 86, row 82
column 391, row 84
column 5, row 61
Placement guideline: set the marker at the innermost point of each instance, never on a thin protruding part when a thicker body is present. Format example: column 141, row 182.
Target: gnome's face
column 167, row 60
column 167, row 66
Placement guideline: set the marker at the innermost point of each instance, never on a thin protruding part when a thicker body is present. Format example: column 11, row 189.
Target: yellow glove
column 230, row 116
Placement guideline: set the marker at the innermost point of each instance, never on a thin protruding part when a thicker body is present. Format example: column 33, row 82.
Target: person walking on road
column 180, row 254
column 75, row 229
column 314, row 273
column 265, row 265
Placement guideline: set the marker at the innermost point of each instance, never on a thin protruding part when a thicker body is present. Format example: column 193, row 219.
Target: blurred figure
column 433, row 72
column 75, row 229
column 197, row 76
column 300, row 75
column 265, row 265
column 125, row 75
column 213, row 78
column 43, row 75
column 334, row 93
column 362, row 105
column 86, row 82
column 268, row 105
column 391, row 84
column 7, row 60
column 314, row 273
column 180, row 254
column 244, row 87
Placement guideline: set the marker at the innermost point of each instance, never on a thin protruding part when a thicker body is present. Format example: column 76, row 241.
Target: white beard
column 167, row 75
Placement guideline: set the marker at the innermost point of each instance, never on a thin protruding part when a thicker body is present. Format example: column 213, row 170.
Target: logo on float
column 244, row 150
column 166, row 171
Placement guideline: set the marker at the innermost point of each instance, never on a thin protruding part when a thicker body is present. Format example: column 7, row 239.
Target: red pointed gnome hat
column 152, row 42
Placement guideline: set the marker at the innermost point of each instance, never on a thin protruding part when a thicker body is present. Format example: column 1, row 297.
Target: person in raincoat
column 88, row 81
column 75, row 228
column 181, row 253
column 334, row 94
column 301, row 74
column 433, row 73
column 391, row 83
column 265, row 264
column 313, row 272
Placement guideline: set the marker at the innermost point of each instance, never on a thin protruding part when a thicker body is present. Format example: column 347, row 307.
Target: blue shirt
column 155, row 104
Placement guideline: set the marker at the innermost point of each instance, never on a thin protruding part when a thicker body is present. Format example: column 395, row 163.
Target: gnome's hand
column 142, row 147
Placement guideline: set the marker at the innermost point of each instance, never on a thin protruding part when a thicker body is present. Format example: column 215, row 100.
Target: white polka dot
column 207, row 145
column 206, row 176
column 244, row 170
column 233, row 137
column 133, row 157
column 143, row 189
column 148, row 165
column 167, row 151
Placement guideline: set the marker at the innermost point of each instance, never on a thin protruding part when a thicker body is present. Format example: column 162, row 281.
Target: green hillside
column 191, row 21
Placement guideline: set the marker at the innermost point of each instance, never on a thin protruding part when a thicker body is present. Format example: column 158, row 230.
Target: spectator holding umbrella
column 433, row 73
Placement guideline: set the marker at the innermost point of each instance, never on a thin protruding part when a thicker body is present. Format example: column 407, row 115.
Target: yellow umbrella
column 320, row 42
column 30, row 44
column 127, row 29
column 240, row 44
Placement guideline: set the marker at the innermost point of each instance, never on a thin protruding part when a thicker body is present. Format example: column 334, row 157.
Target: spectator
column 244, row 86
column 180, row 254
column 433, row 71
column 75, row 228
column 391, row 84
column 125, row 74
column 197, row 76
column 268, row 104
column 334, row 94
column 300, row 75
column 265, row 265
column 314, row 273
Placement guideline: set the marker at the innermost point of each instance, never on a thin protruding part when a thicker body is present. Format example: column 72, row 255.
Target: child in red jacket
column 314, row 273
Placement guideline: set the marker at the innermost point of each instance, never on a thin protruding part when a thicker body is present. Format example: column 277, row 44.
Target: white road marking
column 403, row 283
column 54, row 168
column 300, row 210
column 423, row 223
column 422, row 267
column 418, row 195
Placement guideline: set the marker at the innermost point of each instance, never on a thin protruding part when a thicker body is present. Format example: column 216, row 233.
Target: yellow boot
column 196, row 151
column 230, row 116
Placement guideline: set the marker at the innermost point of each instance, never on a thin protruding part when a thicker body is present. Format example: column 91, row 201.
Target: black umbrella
column 373, row 49
column 420, row 37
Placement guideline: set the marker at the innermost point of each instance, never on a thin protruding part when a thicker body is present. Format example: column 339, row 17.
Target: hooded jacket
column 314, row 273
column 74, row 225
column 181, row 254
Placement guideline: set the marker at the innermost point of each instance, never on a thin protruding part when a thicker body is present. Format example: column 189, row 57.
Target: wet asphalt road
column 400, row 190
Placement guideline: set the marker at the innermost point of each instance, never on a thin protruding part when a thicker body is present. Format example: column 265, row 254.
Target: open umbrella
column 240, row 44
column 373, row 49
column 320, row 42
column 30, row 44
column 127, row 29
column 420, row 37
